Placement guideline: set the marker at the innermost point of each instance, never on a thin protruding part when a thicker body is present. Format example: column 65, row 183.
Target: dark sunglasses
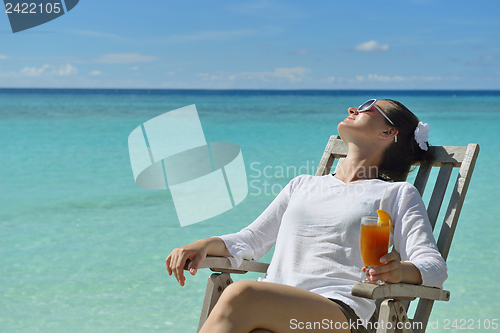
column 366, row 106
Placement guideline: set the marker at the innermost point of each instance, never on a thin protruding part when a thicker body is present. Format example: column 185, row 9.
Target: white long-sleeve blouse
column 315, row 224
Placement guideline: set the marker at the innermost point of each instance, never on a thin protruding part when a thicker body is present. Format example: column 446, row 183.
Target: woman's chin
column 343, row 129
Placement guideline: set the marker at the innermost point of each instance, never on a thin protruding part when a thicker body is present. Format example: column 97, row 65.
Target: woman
column 315, row 224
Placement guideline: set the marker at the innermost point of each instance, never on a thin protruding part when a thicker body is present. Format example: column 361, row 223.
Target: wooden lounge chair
column 392, row 299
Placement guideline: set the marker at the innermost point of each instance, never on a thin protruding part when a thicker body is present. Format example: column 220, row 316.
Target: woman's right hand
column 175, row 262
column 196, row 252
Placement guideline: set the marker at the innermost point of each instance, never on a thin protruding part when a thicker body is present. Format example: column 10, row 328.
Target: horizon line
column 250, row 89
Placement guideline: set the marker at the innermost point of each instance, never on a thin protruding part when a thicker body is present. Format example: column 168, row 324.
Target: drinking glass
column 374, row 243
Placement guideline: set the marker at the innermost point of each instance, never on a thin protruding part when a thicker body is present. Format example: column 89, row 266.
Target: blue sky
column 259, row 44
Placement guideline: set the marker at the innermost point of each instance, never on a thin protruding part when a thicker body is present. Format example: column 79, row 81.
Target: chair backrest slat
column 422, row 177
column 457, row 199
column 326, row 160
column 439, row 192
column 335, row 148
column 465, row 158
column 449, row 154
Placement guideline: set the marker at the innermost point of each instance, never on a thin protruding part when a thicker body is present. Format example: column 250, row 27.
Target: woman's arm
column 414, row 240
column 410, row 273
column 259, row 237
column 251, row 242
column 196, row 252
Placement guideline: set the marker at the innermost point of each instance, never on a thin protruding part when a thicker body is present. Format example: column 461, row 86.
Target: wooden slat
column 457, row 200
column 398, row 291
column 222, row 264
column 339, row 147
column 403, row 320
column 422, row 313
column 324, row 168
column 335, row 148
column 216, row 284
column 326, row 159
column 449, row 154
column 439, row 192
column 424, row 307
column 421, row 180
column 387, row 314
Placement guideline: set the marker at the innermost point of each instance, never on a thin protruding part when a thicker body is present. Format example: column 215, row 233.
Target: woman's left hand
column 390, row 269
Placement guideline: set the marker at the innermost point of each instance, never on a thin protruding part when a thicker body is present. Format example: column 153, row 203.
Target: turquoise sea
column 82, row 247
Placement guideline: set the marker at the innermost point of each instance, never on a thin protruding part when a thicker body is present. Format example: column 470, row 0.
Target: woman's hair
column 399, row 156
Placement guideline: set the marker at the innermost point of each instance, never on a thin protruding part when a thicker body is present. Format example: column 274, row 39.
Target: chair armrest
column 222, row 264
column 399, row 291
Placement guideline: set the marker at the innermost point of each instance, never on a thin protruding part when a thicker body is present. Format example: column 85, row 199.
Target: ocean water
column 82, row 248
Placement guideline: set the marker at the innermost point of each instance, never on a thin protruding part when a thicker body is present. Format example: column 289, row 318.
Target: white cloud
column 95, row 73
column 67, row 69
column 380, row 78
column 63, row 70
column 395, row 78
column 133, row 68
column 371, row 46
column 125, row 58
column 3, row 56
column 294, row 74
column 33, row 71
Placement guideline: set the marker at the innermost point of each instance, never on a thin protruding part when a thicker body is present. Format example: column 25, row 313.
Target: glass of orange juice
column 374, row 243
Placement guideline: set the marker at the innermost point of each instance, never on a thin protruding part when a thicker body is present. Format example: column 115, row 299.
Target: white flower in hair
column 422, row 135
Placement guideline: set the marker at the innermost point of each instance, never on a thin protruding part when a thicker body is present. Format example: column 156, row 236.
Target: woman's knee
column 239, row 292
column 234, row 304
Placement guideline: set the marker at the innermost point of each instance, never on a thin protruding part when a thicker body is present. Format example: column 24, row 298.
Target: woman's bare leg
column 249, row 305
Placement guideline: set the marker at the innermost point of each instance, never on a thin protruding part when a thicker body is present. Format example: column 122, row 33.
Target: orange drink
column 374, row 243
column 374, row 240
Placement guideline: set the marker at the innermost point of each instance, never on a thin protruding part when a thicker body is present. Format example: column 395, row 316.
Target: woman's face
column 366, row 125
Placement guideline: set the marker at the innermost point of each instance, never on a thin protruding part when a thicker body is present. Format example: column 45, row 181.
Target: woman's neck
column 359, row 165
